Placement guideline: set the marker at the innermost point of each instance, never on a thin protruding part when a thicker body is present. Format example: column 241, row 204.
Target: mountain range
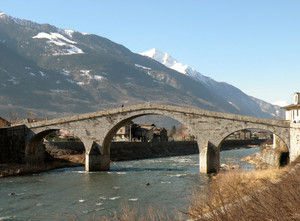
column 233, row 95
column 53, row 72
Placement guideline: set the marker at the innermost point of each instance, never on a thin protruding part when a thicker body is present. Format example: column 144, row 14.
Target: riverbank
column 14, row 169
column 65, row 192
column 71, row 154
column 120, row 151
column 269, row 194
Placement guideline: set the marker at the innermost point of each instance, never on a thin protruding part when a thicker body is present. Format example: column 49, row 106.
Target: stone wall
column 12, row 144
column 231, row 144
column 133, row 151
column 270, row 157
column 130, row 150
column 143, row 150
column 294, row 141
column 77, row 146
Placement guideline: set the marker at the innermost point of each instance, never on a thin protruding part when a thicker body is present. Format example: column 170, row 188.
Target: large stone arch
column 34, row 148
column 98, row 157
column 122, row 120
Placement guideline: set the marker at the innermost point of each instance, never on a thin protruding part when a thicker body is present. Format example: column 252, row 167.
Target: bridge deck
column 159, row 107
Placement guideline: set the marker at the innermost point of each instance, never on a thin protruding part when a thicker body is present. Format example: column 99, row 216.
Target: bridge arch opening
column 55, row 145
column 272, row 152
column 149, row 136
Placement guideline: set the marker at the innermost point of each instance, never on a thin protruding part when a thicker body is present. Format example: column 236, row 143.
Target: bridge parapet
column 158, row 107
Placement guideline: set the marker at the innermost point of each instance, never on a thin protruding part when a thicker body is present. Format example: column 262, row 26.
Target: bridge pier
column 35, row 153
column 95, row 160
column 209, row 159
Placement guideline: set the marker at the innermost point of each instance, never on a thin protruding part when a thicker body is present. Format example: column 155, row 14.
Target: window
column 295, row 99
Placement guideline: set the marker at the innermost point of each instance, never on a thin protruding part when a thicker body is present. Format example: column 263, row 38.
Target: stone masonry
column 294, row 141
column 97, row 129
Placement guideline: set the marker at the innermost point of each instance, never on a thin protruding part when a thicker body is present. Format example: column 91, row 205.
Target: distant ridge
column 230, row 93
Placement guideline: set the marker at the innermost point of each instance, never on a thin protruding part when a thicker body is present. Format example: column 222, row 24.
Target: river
column 71, row 192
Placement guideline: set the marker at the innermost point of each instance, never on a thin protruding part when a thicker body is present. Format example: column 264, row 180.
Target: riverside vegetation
column 269, row 194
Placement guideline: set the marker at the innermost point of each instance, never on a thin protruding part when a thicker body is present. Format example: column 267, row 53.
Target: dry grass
column 134, row 214
column 272, row 194
column 259, row 195
column 128, row 213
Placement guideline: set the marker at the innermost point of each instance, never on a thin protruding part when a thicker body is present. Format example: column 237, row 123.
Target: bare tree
column 13, row 117
column 31, row 116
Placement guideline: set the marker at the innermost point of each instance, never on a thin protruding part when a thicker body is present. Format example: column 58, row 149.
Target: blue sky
column 251, row 44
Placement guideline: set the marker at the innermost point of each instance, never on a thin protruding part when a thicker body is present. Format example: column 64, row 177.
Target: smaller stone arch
column 35, row 153
column 223, row 138
column 280, row 134
column 274, row 157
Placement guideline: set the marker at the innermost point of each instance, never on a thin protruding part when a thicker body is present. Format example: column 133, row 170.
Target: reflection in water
column 65, row 192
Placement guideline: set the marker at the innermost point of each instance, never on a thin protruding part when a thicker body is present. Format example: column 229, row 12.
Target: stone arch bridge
column 97, row 129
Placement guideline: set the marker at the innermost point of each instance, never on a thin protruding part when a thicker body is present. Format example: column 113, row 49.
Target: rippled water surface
column 64, row 193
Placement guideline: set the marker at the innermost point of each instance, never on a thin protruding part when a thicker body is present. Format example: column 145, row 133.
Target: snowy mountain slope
column 60, row 40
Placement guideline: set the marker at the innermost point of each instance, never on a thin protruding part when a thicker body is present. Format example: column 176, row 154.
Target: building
column 292, row 111
column 124, row 133
column 244, row 134
column 4, row 123
column 160, row 134
column 145, row 132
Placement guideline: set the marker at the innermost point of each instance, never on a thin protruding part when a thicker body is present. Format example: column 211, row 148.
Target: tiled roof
column 291, row 106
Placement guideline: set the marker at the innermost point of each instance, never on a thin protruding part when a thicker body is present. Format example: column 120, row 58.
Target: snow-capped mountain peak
column 172, row 63
column 166, row 59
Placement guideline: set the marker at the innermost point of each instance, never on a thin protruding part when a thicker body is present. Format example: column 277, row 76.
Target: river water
column 71, row 192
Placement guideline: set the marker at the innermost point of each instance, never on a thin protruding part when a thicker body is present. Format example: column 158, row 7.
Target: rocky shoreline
column 268, row 157
column 13, row 169
column 255, row 160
